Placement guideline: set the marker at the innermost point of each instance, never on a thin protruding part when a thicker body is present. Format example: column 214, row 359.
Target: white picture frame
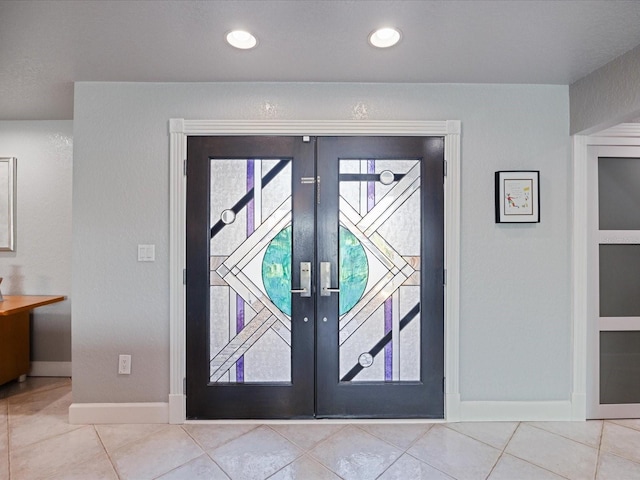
column 7, row 204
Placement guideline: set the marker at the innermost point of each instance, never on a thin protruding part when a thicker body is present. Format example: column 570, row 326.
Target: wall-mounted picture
column 7, row 204
column 518, row 196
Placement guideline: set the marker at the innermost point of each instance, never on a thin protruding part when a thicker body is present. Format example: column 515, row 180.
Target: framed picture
column 518, row 196
column 7, row 204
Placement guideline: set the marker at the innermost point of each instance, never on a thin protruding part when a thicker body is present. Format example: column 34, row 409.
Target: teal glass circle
column 276, row 270
column 354, row 270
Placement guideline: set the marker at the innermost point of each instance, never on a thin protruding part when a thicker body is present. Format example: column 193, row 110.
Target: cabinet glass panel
column 619, row 193
column 250, row 271
column 620, row 367
column 620, row 280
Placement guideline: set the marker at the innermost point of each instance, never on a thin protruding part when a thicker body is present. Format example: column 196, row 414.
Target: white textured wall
column 608, row 96
column 41, row 264
column 515, row 279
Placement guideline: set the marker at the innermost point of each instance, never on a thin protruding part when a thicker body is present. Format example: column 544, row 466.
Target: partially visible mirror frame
column 7, row 204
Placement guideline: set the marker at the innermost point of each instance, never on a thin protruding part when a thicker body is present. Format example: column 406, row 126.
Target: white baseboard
column 578, row 407
column 469, row 411
column 515, row 411
column 50, row 369
column 177, row 408
column 452, row 407
column 115, row 413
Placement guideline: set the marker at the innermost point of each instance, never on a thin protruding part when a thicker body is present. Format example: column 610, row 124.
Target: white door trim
column 624, row 134
column 179, row 129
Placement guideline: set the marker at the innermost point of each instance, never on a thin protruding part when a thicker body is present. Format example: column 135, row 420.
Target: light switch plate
column 146, row 253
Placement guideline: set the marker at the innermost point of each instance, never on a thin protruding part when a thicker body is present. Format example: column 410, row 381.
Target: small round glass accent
column 365, row 360
column 228, row 216
column 387, row 177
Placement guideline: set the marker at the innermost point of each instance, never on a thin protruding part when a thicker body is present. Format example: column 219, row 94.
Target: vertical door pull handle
column 305, row 280
column 325, row 280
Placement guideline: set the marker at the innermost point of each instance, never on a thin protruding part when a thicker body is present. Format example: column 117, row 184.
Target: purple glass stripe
column 371, row 186
column 388, row 348
column 239, row 327
column 251, row 204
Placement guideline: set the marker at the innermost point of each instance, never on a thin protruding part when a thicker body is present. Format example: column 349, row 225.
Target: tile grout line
column 402, row 451
column 165, row 426
column 43, row 389
column 204, row 450
column 326, row 439
column 26, row 395
column 613, row 421
column 614, row 453
column 595, row 475
column 529, row 461
column 503, row 450
column 422, row 461
column 222, row 444
column 391, row 465
column 564, row 436
column 482, row 441
column 305, row 451
column 393, row 445
column 104, row 447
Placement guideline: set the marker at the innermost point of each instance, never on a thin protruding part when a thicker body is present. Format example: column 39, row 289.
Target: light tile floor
column 37, row 442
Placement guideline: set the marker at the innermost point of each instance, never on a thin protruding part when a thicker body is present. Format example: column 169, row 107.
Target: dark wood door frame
column 344, row 398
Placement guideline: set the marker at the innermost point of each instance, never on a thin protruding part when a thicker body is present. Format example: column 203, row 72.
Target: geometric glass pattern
column 379, row 206
column 250, row 211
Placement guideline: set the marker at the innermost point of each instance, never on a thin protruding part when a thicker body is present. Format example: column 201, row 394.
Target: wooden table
column 14, row 333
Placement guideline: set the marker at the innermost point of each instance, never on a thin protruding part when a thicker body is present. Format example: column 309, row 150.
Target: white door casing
column 180, row 129
column 586, row 238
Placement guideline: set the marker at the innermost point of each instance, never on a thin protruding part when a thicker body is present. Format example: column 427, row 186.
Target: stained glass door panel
column 380, row 341
column 379, row 261
column 249, row 351
column 250, row 254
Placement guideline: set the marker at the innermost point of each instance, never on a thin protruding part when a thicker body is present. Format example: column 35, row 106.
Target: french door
column 315, row 277
column 614, row 309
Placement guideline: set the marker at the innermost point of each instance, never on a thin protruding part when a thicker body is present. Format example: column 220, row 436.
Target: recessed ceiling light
column 241, row 39
column 384, row 37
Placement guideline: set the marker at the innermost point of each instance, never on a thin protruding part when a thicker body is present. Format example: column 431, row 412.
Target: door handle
column 325, row 280
column 305, row 280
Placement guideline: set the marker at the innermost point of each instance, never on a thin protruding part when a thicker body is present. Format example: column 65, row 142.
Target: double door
column 315, row 277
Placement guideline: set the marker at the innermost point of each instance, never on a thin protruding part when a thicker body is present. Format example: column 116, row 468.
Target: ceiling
column 45, row 46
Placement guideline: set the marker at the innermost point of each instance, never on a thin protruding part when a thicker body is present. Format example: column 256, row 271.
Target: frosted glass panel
column 620, row 280
column 379, row 256
column 619, row 193
column 250, row 274
column 619, row 367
